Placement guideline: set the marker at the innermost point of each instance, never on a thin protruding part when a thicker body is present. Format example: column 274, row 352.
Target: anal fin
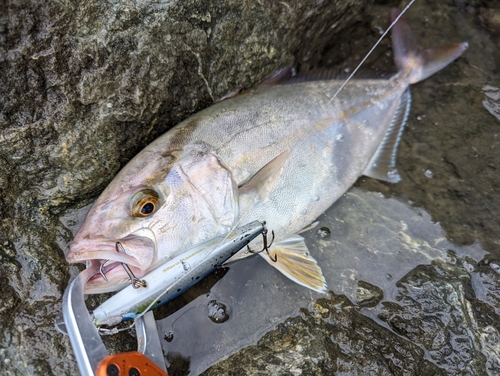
column 382, row 166
column 294, row 261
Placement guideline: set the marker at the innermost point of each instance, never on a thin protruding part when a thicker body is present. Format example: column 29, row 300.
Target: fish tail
column 419, row 63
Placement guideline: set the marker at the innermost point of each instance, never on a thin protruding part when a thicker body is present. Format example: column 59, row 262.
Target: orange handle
column 128, row 364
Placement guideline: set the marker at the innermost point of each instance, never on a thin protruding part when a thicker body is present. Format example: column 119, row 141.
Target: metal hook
column 136, row 282
column 265, row 246
column 101, row 270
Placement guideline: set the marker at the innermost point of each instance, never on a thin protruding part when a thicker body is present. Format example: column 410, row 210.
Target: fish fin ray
column 310, row 227
column 382, row 166
column 319, row 74
column 278, row 77
column 232, row 93
column 421, row 63
column 295, row 262
column 287, row 76
column 266, row 178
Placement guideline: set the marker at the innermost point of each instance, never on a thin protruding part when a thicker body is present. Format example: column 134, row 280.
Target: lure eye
column 144, row 203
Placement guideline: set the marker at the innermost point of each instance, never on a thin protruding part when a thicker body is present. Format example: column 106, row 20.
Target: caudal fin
column 421, row 63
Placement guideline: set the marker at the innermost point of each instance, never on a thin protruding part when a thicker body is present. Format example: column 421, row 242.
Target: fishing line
column 372, row 49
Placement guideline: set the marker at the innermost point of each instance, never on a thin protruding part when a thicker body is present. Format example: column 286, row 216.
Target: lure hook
column 266, row 245
column 101, row 270
column 136, row 282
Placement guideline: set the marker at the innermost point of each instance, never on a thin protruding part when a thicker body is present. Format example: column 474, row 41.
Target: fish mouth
column 136, row 253
column 113, row 278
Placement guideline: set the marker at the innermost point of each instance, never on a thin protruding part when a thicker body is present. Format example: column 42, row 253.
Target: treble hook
column 101, row 270
column 265, row 246
column 136, row 282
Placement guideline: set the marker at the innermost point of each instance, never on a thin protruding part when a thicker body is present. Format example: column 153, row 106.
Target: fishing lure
column 176, row 275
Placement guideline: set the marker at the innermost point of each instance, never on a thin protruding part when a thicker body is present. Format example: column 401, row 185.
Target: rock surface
column 83, row 87
column 436, row 326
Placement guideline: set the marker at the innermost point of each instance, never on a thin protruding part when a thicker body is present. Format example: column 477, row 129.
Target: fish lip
column 116, row 275
column 85, row 251
column 101, row 254
column 97, row 251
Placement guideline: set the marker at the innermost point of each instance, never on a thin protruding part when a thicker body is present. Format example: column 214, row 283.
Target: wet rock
column 490, row 19
column 169, row 337
column 324, row 233
column 436, row 308
column 84, row 86
column 368, row 295
column 217, row 312
column 332, row 338
column 437, row 325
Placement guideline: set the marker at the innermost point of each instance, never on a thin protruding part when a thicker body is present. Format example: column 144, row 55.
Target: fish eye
column 144, row 203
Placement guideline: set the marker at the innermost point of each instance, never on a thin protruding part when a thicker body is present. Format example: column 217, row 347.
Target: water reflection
column 374, row 242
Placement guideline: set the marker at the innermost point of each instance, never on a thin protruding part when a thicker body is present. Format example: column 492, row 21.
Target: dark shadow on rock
column 201, row 288
column 178, row 364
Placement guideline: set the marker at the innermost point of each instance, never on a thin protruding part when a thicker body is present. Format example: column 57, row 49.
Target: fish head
column 157, row 207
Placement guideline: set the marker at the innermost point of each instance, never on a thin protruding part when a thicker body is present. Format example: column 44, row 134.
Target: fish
column 282, row 152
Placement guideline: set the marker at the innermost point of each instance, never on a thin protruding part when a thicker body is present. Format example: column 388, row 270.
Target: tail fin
column 421, row 63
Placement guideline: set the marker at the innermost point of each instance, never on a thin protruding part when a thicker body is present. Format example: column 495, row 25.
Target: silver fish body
column 280, row 153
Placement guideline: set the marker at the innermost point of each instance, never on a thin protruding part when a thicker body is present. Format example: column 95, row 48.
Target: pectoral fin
column 262, row 183
column 294, row 261
column 382, row 166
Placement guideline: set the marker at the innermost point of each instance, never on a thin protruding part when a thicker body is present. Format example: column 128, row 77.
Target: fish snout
column 112, row 277
column 134, row 251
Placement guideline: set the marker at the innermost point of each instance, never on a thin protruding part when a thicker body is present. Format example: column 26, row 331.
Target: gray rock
column 436, row 308
column 333, row 338
column 86, row 85
column 368, row 295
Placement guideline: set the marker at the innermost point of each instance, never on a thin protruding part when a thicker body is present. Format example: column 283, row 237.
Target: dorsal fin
column 278, row 77
column 231, row 94
column 382, row 166
column 338, row 73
